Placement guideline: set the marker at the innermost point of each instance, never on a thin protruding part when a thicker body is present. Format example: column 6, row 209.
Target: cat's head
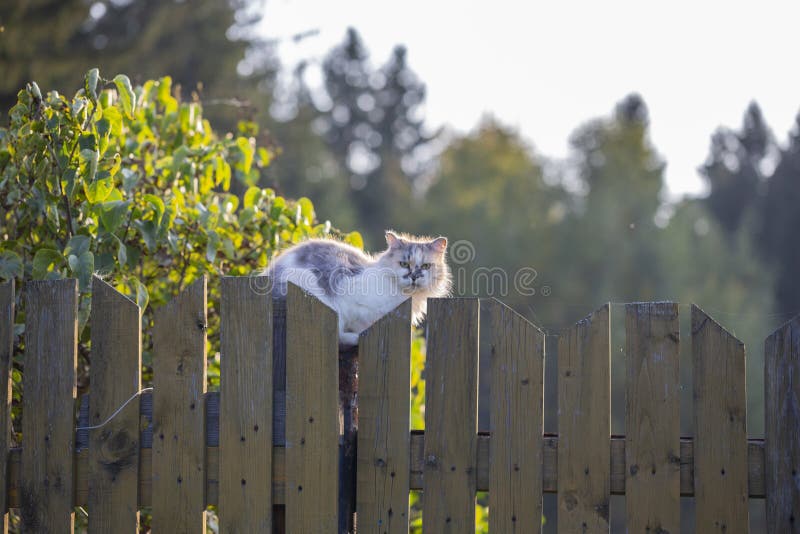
column 418, row 263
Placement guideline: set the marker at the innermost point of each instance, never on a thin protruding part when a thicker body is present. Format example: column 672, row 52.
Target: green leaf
column 247, row 154
column 114, row 118
column 82, row 267
column 113, row 213
column 251, row 196
column 264, row 157
column 99, row 189
column 212, row 246
column 88, row 164
column 149, row 233
column 43, row 260
column 158, row 207
column 355, row 239
column 306, row 208
column 122, row 253
column 33, row 88
column 142, row 296
column 10, row 265
column 77, row 245
column 90, row 83
column 126, row 94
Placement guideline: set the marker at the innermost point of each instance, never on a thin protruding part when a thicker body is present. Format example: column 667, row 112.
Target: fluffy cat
column 360, row 287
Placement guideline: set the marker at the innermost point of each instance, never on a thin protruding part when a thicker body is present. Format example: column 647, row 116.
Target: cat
column 360, row 287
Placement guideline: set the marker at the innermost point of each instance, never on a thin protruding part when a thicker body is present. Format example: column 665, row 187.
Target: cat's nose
column 415, row 275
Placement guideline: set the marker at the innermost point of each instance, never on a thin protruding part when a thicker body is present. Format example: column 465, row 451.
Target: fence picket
column 245, row 456
column 312, row 414
column 383, row 435
column 652, row 417
column 720, row 415
column 179, row 437
column 451, row 416
column 782, row 425
column 515, row 461
column 49, row 390
column 584, row 425
column 115, row 375
column 6, row 357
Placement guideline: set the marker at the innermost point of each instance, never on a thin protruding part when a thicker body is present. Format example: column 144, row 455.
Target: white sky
column 547, row 67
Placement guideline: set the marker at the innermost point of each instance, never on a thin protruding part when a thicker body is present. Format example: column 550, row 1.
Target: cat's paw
column 348, row 339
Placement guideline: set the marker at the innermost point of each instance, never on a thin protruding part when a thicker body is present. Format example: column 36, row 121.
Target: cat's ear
column 392, row 239
column 439, row 244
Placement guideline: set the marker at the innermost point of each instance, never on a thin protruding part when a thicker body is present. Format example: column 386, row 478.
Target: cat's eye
column 404, row 264
column 426, row 266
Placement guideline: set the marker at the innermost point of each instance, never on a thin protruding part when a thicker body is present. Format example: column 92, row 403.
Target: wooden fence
column 266, row 449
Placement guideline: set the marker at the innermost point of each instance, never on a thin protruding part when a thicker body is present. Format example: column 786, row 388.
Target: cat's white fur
column 362, row 288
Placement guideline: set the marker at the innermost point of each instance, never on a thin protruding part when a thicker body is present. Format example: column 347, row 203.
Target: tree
column 373, row 126
column 779, row 220
column 55, row 41
column 490, row 198
column 612, row 230
column 734, row 169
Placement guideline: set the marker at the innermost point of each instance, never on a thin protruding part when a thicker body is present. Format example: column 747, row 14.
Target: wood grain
column 584, row 425
column 312, row 414
column 782, row 427
column 383, row 435
column 755, row 468
column 515, row 461
column 49, row 390
column 720, row 422
column 245, row 454
column 6, row 358
column 179, row 382
column 652, row 417
column 451, row 416
column 115, row 376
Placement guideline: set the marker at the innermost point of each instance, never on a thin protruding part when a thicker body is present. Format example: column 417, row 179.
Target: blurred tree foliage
column 780, row 221
column 371, row 122
column 198, row 42
column 734, row 169
column 754, row 190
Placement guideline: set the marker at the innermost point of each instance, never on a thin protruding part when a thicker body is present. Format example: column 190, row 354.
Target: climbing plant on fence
column 134, row 184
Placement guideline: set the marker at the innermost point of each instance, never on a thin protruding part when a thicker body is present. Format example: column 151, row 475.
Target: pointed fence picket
column 115, row 376
column 266, row 449
column 584, row 424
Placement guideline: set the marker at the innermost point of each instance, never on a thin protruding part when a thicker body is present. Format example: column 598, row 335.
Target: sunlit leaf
column 126, row 95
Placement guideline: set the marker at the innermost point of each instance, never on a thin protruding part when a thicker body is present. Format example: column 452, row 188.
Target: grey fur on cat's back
column 330, row 261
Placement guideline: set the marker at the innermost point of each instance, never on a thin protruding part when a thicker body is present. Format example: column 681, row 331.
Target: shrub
column 133, row 184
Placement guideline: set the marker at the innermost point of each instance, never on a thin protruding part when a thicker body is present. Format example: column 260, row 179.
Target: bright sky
column 547, row 67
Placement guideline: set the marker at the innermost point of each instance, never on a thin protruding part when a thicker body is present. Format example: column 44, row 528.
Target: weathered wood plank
column 179, row 382
column 584, row 424
column 6, row 358
column 517, row 390
column 652, row 417
column 245, row 455
column 115, row 376
column 49, row 391
column 720, row 422
column 451, row 416
column 755, row 463
column 782, row 426
column 312, row 418
column 383, row 435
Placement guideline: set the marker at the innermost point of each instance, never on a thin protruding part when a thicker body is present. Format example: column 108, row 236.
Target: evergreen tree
column 734, row 169
column 374, row 128
column 780, row 220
